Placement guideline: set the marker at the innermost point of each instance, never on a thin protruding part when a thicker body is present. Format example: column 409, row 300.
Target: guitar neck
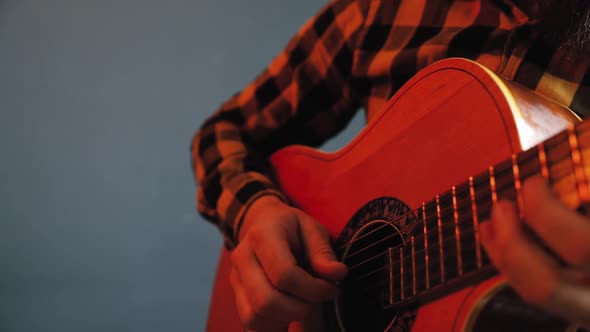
column 445, row 252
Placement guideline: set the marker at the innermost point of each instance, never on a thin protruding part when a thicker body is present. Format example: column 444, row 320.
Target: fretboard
column 445, row 249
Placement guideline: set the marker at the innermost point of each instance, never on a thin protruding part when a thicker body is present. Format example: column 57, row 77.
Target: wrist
column 256, row 211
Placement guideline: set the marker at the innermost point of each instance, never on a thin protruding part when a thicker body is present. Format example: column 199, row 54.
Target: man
column 356, row 54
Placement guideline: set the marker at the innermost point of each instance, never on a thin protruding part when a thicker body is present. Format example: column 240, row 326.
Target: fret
column 457, row 232
column 504, row 181
column 409, row 269
column 390, row 260
column 528, row 164
column 413, row 265
column 577, row 163
column 493, row 185
column 450, row 252
column 543, row 160
column 475, row 222
column 401, row 272
column 583, row 135
column 419, row 264
column 395, row 273
column 464, row 208
column 562, row 170
column 431, row 241
column 426, row 259
column 440, row 240
column 465, row 239
column 559, row 159
column 483, row 195
column 517, row 186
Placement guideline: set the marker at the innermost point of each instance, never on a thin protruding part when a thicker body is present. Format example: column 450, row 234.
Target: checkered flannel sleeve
column 302, row 97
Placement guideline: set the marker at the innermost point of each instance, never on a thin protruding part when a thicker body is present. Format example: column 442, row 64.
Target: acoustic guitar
column 404, row 200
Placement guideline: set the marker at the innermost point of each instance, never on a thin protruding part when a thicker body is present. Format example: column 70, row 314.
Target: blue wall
column 98, row 103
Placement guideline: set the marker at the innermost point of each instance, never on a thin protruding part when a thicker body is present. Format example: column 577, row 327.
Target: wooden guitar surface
column 450, row 122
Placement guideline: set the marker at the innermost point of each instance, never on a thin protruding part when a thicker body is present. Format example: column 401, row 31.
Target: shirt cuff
column 237, row 199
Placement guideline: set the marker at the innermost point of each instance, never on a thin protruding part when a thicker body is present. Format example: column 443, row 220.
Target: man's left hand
column 539, row 277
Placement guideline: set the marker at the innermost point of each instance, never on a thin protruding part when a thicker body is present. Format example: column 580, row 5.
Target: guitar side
column 451, row 121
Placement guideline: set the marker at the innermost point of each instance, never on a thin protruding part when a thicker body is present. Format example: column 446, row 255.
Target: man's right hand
column 282, row 266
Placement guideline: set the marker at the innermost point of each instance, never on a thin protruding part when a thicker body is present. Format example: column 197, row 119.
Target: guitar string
column 435, row 277
column 444, row 229
column 445, row 225
column 420, row 221
column 432, row 260
column 408, row 290
column 436, row 261
column 381, row 283
column 528, row 158
column 401, row 217
column 435, row 246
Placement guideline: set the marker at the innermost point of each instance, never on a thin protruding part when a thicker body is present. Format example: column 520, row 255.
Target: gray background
column 99, row 100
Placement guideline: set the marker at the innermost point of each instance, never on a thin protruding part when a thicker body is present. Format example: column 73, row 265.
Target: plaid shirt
column 355, row 55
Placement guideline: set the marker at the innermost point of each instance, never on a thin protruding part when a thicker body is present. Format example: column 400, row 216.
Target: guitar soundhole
column 364, row 292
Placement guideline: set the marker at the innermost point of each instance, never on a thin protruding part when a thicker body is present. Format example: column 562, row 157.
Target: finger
column 565, row 231
column 250, row 318
column 279, row 264
column 529, row 270
column 242, row 304
column 319, row 250
column 265, row 300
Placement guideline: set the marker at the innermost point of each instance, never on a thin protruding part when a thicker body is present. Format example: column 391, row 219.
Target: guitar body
column 451, row 121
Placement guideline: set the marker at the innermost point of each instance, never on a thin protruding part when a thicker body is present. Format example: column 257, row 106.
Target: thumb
column 316, row 244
